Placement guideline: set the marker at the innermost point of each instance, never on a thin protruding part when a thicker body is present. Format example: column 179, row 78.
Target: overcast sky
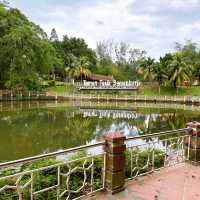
column 152, row 25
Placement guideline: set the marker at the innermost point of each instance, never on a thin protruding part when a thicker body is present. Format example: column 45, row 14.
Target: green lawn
column 169, row 91
column 144, row 90
column 61, row 89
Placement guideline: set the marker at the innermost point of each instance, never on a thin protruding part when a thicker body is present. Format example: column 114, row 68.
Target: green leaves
column 79, row 67
column 146, row 68
column 179, row 70
column 172, row 68
column 77, row 47
column 25, row 54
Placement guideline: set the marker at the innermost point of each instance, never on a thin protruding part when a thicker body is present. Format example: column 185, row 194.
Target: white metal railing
column 9, row 95
column 53, row 178
column 127, row 106
column 34, row 95
column 75, row 173
column 135, row 97
column 160, row 150
column 110, row 105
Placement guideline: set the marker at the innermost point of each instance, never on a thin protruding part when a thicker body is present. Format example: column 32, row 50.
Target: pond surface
column 31, row 128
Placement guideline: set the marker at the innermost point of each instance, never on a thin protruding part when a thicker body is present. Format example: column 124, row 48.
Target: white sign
column 110, row 84
column 114, row 114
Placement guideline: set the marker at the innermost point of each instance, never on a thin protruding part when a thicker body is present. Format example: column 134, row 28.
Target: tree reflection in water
column 38, row 129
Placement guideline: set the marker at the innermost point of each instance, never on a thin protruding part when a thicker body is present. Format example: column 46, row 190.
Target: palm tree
column 159, row 75
column 179, row 71
column 146, row 68
column 165, row 62
column 80, row 69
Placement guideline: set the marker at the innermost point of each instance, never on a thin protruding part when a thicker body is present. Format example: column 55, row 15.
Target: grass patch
column 150, row 90
column 169, row 91
column 62, row 89
column 146, row 90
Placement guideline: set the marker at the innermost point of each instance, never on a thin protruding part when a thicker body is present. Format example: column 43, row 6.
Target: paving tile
column 174, row 183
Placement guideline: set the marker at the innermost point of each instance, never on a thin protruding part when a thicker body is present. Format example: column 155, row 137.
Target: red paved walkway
column 181, row 182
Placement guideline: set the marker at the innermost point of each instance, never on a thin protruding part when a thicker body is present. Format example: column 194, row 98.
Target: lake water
column 31, row 128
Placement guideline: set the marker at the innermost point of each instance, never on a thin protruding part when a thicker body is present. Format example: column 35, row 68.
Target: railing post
column 193, row 143
column 56, row 97
column 115, row 162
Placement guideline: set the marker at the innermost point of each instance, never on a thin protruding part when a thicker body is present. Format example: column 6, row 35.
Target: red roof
column 98, row 77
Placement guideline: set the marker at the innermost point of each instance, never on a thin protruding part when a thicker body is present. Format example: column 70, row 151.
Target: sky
column 151, row 25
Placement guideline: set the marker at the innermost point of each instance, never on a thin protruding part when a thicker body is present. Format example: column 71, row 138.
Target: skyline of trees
column 29, row 57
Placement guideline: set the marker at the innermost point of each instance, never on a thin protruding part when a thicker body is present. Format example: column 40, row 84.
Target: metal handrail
column 48, row 155
column 159, row 134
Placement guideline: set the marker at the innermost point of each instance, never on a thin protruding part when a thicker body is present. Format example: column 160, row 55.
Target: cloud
column 99, row 22
column 149, row 24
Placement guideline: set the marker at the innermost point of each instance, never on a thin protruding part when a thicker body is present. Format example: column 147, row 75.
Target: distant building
column 98, row 77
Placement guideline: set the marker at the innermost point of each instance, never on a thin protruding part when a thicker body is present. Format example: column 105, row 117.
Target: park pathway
column 181, row 182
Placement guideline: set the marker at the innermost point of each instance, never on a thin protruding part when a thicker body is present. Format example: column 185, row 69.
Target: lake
column 31, row 128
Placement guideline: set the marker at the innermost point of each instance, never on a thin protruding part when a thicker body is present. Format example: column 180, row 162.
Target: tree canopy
column 25, row 53
column 28, row 57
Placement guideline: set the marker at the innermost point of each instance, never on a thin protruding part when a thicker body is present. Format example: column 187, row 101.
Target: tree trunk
column 54, row 77
column 159, row 89
column 174, row 84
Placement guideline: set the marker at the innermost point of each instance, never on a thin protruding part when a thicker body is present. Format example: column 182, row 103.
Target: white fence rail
column 74, row 173
column 54, row 176
column 156, row 153
column 33, row 95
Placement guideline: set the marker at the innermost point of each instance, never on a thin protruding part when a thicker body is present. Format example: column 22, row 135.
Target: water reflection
column 32, row 128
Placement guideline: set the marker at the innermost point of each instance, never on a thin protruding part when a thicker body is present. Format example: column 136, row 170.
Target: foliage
column 25, row 54
column 173, row 69
column 159, row 74
column 47, row 177
column 76, row 58
column 80, row 69
column 27, row 57
column 62, row 89
column 51, row 83
column 159, row 157
column 118, row 59
column 107, row 67
column 179, row 71
column 54, row 35
column 146, row 68
column 76, row 48
column 152, row 90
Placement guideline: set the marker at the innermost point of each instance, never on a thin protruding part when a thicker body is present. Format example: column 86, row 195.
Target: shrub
column 142, row 157
column 48, row 177
column 51, row 83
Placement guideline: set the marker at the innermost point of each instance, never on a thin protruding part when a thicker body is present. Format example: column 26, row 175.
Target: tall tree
column 58, row 69
column 159, row 74
column 136, row 55
column 146, row 68
column 4, row 3
column 166, row 60
column 24, row 58
column 196, row 69
column 25, row 55
column 78, row 48
column 121, row 53
column 54, row 35
column 191, row 53
column 80, row 69
column 105, row 50
column 179, row 70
